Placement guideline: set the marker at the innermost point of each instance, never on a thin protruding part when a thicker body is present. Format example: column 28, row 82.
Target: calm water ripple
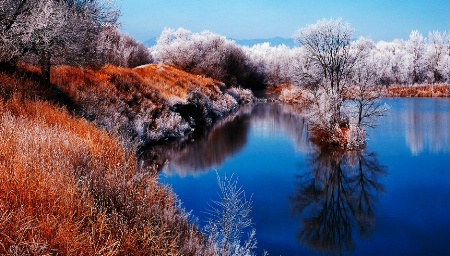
column 390, row 199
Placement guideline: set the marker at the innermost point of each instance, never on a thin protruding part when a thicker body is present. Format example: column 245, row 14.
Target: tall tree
column 436, row 54
column 415, row 47
column 51, row 32
column 327, row 49
column 327, row 46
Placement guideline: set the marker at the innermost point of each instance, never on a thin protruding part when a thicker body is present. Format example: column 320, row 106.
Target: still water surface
column 390, row 199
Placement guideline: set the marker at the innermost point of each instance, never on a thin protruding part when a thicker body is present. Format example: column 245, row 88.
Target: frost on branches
column 342, row 98
column 206, row 54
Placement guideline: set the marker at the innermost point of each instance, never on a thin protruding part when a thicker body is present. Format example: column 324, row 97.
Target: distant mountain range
column 275, row 41
column 244, row 42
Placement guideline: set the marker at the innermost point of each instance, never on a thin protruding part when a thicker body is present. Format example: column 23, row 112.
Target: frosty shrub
column 241, row 95
column 292, row 94
column 207, row 54
column 224, row 105
column 356, row 136
column 229, row 219
column 168, row 125
column 323, row 108
column 275, row 62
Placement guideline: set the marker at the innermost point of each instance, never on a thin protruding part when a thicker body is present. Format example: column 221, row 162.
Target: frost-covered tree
column 327, row 46
column 331, row 67
column 364, row 106
column 415, row 47
column 121, row 50
column 418, row 60
column 207, row 54
column 436, row 56
column 51, row 32
column 275, row 62
column 391, row 63
column 328, row 51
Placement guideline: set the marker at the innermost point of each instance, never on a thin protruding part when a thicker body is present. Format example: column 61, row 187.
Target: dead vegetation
column 70, row 183
column 144, row 104
column 68, row 188
column 440, row 90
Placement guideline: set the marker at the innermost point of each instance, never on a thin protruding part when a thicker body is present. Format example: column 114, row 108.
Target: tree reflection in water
column 337, row 194
column 206, row 149
column 209, row 149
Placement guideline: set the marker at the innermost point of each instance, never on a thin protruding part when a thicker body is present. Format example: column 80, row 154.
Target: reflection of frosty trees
column 211, row 148
column 202, row 151
column 427, row 130
column 337, row 194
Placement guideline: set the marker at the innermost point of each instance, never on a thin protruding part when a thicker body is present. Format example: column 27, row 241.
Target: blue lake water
column 390, row 199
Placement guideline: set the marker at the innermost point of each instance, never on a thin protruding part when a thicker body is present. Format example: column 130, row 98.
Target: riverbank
column 69, row 180
column 295, row 95
column 68, row 187
column 144, row 104
column 440, row 90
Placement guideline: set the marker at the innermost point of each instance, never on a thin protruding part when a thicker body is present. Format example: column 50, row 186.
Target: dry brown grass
column 22, row 83
column 153, row 82
column 420, row 91
column 68, row 188
column 132, row 101
column 172, row 82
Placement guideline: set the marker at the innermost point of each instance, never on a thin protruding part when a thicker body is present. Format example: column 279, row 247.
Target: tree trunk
column 45, row 68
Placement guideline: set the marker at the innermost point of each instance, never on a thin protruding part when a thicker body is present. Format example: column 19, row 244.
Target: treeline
column 337, row 78
column 71, row 32
column 418, row 60
column 207, row 54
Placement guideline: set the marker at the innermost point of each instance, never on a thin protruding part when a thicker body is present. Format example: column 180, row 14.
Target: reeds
column 420, row 91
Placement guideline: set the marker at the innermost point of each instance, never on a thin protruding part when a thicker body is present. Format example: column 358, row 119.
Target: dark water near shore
column 390, row 199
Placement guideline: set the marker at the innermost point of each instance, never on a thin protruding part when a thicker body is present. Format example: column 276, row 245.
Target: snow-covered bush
column 275, row 62
column 224, row 104
column 229, row 219
column 241, row 95
column 168, row 125
column 294, row 94
column 207, row 54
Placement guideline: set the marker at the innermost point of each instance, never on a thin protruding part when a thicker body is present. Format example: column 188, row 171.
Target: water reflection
column 426, row 124
column 210, row 149
column 337, row 197
column 207, row 149
column 266, row 120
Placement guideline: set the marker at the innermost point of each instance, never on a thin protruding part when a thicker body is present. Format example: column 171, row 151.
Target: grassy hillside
column 67, row 187
column 68, row 182
column 147, row 103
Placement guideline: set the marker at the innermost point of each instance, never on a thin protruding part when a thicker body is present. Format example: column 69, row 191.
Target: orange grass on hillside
column 22, row 84
column 173, row 82
column 148, row 82
column 69, row 188
column 420, row 91
column 131, row 101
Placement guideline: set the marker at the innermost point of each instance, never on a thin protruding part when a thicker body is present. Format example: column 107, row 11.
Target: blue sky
column 249, row 19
